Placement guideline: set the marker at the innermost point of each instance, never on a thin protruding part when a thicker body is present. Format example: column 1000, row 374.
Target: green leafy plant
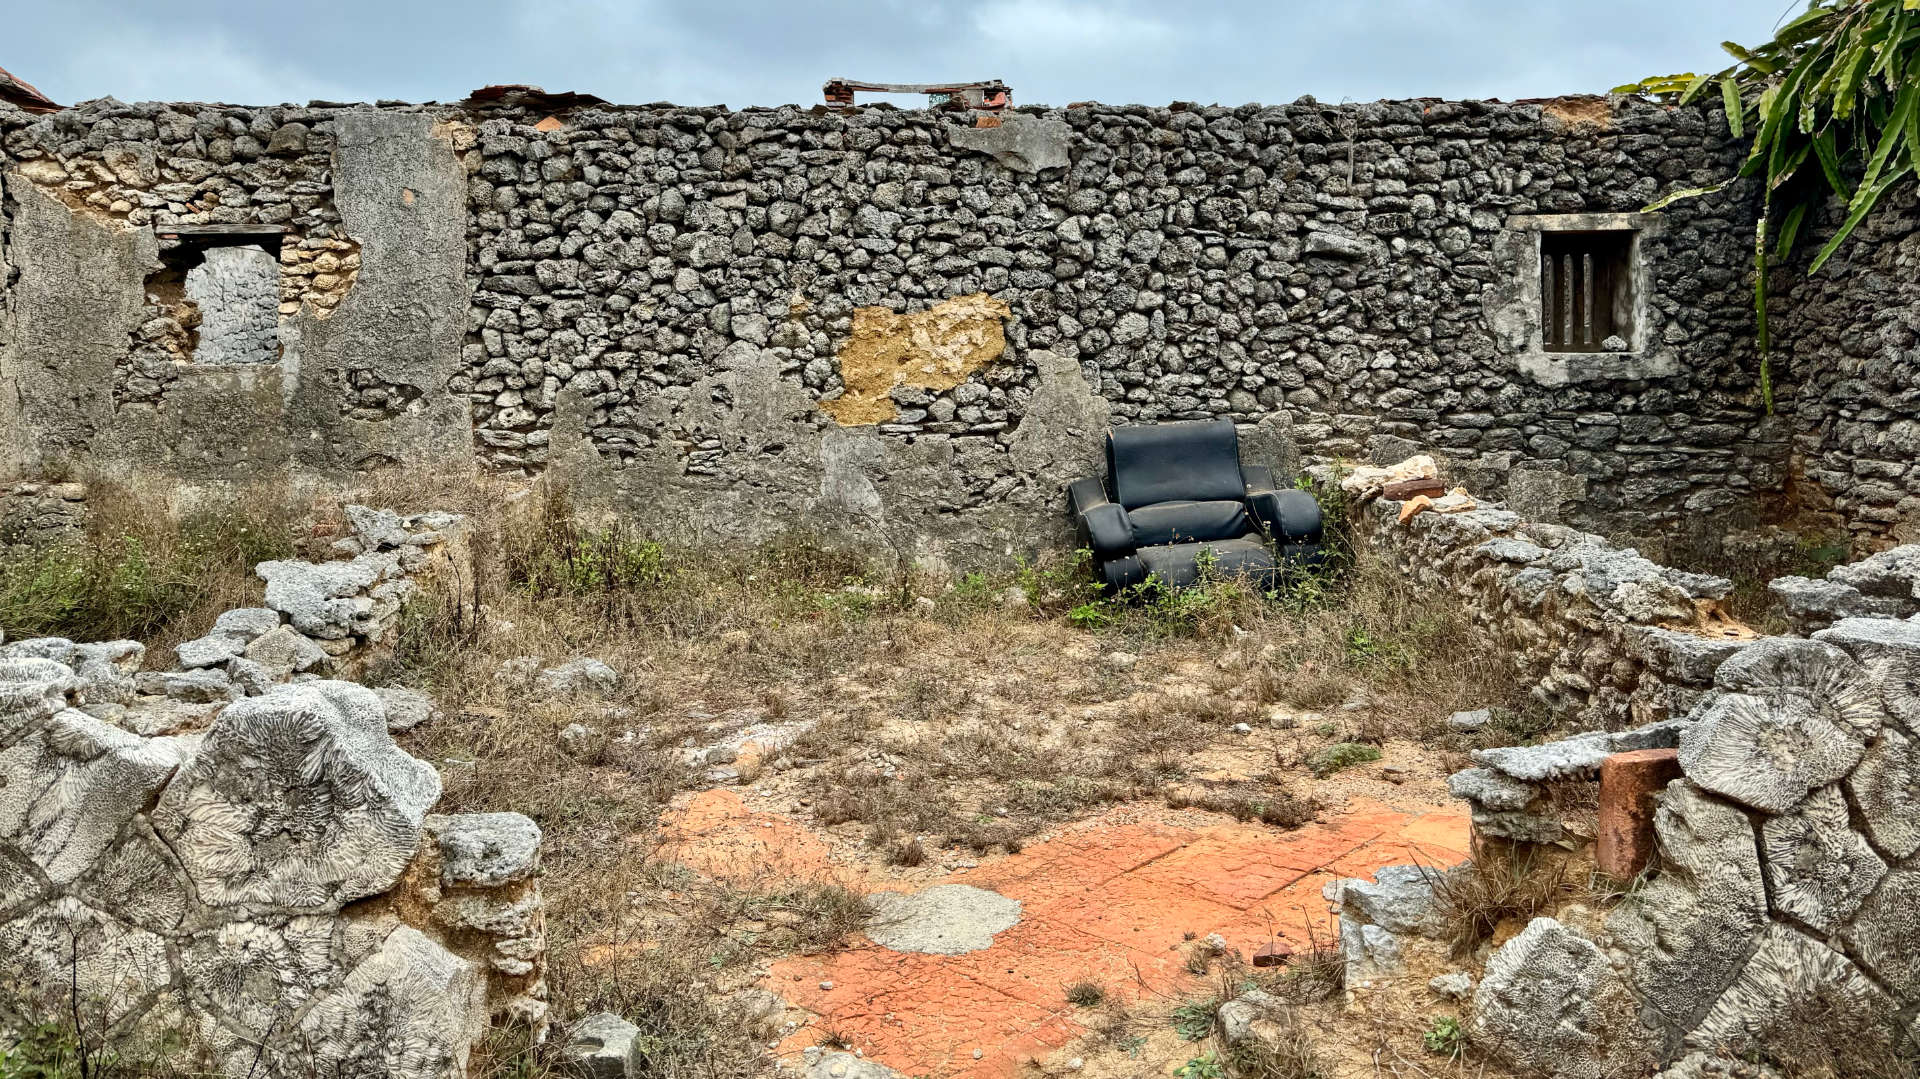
column 1204, row 1066
column 1445, row 1037
column 1193, row 1019
column 1837, row 89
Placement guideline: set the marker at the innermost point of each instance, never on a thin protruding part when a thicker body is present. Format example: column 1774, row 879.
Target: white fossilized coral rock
column 297, row 800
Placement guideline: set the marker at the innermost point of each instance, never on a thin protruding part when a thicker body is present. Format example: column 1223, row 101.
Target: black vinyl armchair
column 1174, row 490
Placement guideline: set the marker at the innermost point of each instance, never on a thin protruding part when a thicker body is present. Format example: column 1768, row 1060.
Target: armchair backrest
column 1196, row 460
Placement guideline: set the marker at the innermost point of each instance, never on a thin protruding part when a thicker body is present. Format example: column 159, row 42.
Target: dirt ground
column 796, row 734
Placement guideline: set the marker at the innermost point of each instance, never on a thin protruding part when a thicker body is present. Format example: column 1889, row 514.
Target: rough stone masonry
column 734, row 323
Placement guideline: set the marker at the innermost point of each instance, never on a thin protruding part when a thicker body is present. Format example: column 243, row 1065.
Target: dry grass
column 928, row 733
column 1508, row 882
column 148, row 568
column 1272, row 803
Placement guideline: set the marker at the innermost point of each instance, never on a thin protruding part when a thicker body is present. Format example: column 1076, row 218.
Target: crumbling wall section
column 138, row 346
column 230, row 866
column 1778, row 910
column 38, row 515
column 1776, row 923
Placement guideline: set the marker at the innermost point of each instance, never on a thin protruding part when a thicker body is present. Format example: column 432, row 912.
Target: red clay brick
column 1401, row 490
column 1628, row 782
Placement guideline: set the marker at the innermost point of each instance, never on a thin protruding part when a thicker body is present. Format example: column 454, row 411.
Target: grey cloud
column 738, row 53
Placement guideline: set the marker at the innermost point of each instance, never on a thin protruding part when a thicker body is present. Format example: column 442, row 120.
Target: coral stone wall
column 1789, row 850
column 1851, row 337
column 736, row 322
column 1605, row 637
column 732, row 323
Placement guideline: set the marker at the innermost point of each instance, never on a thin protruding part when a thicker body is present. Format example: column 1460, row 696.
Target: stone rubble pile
column 1883, row 585
column 320, row 618
column 232, row 864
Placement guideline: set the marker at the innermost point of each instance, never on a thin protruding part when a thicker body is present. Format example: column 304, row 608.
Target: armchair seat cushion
column 1185, row 522
column 1178, row 564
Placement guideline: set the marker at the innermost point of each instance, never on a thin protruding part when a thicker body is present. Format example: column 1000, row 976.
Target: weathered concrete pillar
column 1628, row 782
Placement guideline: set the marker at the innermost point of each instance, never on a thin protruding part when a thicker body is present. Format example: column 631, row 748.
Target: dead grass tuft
column 1287, row 1051
column 1505, row 882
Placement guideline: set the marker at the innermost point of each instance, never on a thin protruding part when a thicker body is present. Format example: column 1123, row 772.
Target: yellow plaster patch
column 935, row 349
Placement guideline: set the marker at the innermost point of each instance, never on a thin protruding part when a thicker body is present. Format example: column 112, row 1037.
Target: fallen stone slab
column 599, row 1045
column 1399, row 899
column 1579, row 756
column 946, row 919
column 838, row 1064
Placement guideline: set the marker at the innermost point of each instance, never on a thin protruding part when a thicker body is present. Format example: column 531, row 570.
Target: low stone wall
column 1788, row 870
column 232, row 865
column 1606, row 638
column 1786, row 885
column 34, row 515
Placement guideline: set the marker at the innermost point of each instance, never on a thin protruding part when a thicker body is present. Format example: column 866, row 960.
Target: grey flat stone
column 946, row 919
column 1470, row 721
column 1398, row 899
column 599, row 1045
column 209, row 651
column 245, row 623
column 1576, row 756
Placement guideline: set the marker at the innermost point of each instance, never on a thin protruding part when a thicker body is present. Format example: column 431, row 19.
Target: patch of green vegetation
column 1330, row 759
column 1445, row 1038
column 554, row 555
column 138, row 569
column 1193, row 1019
column 1204, row 1066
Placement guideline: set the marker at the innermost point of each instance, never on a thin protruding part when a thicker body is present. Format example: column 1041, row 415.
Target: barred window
column 1586, row 290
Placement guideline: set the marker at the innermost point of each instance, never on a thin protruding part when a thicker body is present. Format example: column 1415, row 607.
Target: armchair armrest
column 1286, row 514
column 1103, row 523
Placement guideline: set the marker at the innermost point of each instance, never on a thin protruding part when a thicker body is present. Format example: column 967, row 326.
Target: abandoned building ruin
column 915, row 328
column 894, row 318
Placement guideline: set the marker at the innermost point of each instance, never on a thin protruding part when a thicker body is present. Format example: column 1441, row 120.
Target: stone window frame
column 1522, row 313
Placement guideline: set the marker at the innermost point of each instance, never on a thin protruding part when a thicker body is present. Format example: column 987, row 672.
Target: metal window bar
column 1576, row 293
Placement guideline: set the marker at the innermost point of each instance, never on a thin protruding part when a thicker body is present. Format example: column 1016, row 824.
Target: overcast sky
column 735, row 52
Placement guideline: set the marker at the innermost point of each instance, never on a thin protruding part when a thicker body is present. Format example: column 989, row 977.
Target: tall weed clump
column 142, row 570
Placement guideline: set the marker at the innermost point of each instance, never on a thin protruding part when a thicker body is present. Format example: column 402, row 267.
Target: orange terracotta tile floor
column 1112, row 900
